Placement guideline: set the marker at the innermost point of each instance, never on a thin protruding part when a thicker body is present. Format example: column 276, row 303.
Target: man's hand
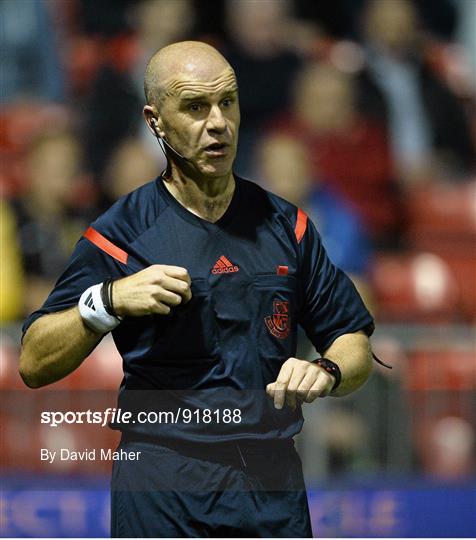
column 154, row 290
column 299, row 381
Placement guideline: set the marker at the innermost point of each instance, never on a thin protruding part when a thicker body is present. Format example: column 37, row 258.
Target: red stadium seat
column 442, row 220
column 441, row 381
column 416, row 287
column 442, row 214
column 88, row 54
column 445, row 446
column 23, row 122
column 463, row 267
column 452, row 369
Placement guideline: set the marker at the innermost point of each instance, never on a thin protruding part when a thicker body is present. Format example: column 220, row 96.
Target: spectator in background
column 161, row 22
column 348, row 150
column 265, row 67
column 107, row 18
column 337, row 19
column 30, row 63
column 157, row 23
column 116, row 94
column 428, row 128
column 286, row 169
column 340, row 19
column 110, row 116
column 131, row 165
column 48, row 216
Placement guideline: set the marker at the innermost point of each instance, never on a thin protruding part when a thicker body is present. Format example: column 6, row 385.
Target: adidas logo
column 89, row 301
column 224, row 266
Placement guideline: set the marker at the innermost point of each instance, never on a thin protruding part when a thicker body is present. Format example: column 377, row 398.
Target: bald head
column 193, row 107
column 193, row 60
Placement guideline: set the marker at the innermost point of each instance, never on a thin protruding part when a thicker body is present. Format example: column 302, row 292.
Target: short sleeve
column 330, row 304
column 87, row 266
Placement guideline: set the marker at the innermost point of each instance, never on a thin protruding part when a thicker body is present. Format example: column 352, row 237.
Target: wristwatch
column 332, row 368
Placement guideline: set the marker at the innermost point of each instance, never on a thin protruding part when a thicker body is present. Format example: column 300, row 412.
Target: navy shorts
column 244, row 490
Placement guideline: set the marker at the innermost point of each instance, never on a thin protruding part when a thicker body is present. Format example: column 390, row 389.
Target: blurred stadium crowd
column 359, row 111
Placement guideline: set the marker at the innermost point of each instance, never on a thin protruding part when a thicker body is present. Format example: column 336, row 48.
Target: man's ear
column 153, row 121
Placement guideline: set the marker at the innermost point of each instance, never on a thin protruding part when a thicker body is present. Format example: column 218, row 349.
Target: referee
column 203, row 278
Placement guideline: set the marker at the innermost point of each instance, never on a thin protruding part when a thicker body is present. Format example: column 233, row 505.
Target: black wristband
column 109, row 291
column 106, row 296
column 332, row 368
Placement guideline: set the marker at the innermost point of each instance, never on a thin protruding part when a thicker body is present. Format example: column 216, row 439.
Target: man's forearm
column 54, row 346
column 351, row 352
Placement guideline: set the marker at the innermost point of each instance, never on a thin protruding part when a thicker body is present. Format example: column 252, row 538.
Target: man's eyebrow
column 188, row 95
column 230, row 90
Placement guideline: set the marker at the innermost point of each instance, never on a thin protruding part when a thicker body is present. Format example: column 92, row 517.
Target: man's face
column 200, row 117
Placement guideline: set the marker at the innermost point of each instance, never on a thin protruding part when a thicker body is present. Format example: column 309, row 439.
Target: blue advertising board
column 421, row 509
column 52, row 507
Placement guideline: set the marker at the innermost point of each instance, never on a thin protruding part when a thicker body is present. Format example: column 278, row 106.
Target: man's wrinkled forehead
column 186, row 83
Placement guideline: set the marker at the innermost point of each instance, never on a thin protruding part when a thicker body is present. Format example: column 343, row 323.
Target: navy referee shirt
column 257, row 273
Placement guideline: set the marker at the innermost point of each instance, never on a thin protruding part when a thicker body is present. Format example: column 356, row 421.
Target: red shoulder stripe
column 105, row 245
column 301, row 224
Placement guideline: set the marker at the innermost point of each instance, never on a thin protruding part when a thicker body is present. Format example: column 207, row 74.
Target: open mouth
column 216, row 149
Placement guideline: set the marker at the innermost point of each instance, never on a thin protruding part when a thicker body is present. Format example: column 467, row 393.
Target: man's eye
column 195, row 107
column 227, row 102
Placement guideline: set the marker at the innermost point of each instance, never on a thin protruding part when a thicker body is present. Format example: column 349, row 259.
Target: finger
column 270, row 390
column 177, row 286
column 160, row 309
column 167, row 297
column 322, row 387
column 306, row 384
column 281, row 384
column 297, row 376
column 177, row 272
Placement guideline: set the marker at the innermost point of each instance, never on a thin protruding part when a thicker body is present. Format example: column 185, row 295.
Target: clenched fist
column 154, row 290
column 299, row 381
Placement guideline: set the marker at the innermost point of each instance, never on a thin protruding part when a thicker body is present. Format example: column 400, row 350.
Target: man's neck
column 205, row 197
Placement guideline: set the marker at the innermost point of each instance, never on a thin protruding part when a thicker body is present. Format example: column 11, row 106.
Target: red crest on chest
column 278, row 324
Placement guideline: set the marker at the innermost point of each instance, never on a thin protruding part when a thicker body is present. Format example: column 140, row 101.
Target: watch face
column 331, row 368
column 327, row 364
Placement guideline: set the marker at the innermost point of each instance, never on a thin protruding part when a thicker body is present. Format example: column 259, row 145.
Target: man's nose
column 216, row 120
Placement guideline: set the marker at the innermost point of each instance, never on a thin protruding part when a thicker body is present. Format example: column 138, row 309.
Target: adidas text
column 226, row 270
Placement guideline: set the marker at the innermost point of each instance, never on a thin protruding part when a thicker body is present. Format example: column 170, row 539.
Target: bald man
column 203, row 278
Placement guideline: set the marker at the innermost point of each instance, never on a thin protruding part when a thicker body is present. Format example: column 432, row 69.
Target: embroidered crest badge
column 278, row 324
